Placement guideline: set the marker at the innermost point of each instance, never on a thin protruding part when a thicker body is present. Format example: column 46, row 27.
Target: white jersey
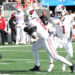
column 63, row 26
column 42, row 31
column 19, row 17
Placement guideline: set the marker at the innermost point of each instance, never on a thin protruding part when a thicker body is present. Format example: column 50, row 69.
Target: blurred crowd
column 14, row 26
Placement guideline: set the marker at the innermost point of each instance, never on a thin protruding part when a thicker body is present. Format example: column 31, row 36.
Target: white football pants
column 67, row 45
column 48, row 44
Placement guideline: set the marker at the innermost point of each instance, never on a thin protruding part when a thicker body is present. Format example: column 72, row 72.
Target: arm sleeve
column 26, row 29
column 33, row 29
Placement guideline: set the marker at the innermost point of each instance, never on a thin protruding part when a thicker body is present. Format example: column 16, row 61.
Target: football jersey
column 42, row 31
column 63, row 26
column 19, row 18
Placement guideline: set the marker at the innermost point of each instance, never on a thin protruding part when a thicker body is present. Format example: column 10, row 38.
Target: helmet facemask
column 59, row 14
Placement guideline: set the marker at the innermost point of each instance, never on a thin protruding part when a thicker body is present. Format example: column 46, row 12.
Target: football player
column 63, row 26
column 36, row 29
column 20, row 34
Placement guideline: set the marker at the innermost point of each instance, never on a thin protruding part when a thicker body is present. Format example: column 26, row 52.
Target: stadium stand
column 8, row 8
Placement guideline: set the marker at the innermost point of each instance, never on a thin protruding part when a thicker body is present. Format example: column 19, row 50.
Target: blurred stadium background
column 18, row 59
column 7, row 8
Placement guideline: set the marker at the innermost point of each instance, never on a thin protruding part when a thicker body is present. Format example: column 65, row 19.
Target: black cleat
column 36, row 68
column 72, row 68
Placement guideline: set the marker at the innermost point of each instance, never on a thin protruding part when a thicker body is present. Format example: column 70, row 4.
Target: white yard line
column 4, row 74
column 4, row 63
column 13, row 46
column 15, row 50
column 16, row 59
column 27, row 51
column 18, row 45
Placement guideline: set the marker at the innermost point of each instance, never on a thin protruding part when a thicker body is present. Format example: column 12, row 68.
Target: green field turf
column 18, row 59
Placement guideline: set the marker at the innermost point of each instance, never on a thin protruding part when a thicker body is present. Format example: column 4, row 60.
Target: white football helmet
column 30, row 11
column 60, row 10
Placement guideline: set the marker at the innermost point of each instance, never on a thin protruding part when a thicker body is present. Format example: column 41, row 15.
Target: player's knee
column 54, row 57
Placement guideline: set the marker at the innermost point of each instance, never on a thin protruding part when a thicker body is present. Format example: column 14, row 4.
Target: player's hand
column 35, row 36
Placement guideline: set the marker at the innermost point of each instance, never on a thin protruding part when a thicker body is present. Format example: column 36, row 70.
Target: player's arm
column 27, row 30
column 33, row 32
